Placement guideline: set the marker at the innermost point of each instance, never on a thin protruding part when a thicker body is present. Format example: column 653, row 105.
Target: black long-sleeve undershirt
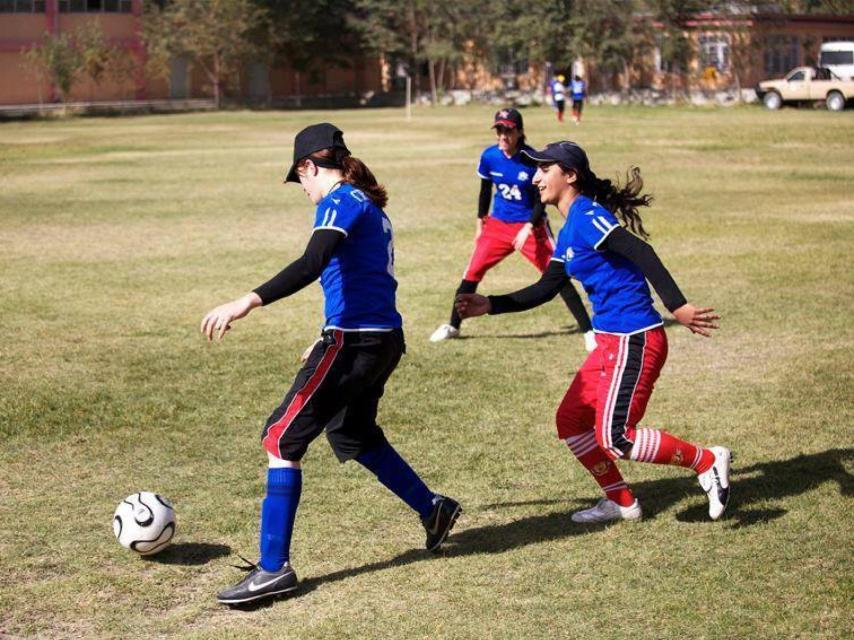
column 304, row 270
column 554, row 279
column 644, row 256
column 484, row 199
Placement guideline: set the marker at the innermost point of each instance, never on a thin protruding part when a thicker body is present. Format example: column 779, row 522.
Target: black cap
column 509, row 118
column 315, row 138
column 569, row 154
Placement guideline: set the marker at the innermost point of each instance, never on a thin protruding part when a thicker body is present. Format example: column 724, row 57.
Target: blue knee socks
column 398, row 476
column 277, row 516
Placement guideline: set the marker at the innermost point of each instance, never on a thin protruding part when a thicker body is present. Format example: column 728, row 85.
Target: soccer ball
column 144, row 522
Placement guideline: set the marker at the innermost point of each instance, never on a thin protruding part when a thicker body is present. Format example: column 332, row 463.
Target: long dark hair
column 355, row 171
column 623, row 201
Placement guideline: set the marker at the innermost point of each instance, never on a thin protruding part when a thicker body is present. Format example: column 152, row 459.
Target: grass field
column 116, row 235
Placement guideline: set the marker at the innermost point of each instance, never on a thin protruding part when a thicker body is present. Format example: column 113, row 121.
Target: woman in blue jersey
column 342, row 380
column 598, row 417
column 517, row 222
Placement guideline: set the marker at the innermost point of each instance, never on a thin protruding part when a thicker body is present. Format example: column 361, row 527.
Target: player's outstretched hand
column 698, row 320
column 470, row 305
column 522, row 237
column 218, row 320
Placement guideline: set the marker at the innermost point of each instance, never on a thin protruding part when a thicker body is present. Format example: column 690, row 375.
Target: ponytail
column 355, row 172
column 623, row 201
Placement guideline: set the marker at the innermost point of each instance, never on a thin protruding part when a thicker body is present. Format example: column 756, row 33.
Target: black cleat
column 440, row 521
column 260, row 584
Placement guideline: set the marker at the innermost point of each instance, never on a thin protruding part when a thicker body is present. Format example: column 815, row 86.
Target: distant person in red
column 599, row 415
column 579, row 91
column 517, row 222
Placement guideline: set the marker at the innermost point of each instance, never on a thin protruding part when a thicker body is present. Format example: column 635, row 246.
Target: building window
column 22, row 6
column 781, row 54
column 714, row 51
column 94, row 6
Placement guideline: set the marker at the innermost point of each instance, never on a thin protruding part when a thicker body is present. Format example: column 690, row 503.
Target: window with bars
column 95, row 6
column 781, row 54
column 714, row 51
column 22, row 6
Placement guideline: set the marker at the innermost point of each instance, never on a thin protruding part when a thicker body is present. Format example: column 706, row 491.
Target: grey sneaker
column 715, row 482
column 440, row 521
column 607, row 510
column 259, row 584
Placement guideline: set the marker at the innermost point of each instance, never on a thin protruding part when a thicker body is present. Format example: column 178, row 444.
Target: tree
column 437, row 34
column 218, row 36
column 63, row 59
column 674, row 44
column 602, row 32
column 56, row 61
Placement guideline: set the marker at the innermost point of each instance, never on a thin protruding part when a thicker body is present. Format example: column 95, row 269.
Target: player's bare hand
column 470, row 305
column 479, row 229
column 218, row 320
column 698, row 319
column 522, row 237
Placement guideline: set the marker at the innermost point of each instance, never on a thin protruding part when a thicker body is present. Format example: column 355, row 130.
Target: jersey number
column 390, row 247
column 510, row 192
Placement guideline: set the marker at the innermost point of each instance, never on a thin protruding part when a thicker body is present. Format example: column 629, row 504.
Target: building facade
column 24, row 24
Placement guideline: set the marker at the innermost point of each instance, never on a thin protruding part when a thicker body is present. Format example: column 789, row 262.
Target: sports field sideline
column 116, row 235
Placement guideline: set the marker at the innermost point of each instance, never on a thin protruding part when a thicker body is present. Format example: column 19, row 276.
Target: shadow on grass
column 761, row 482
column 189, row 553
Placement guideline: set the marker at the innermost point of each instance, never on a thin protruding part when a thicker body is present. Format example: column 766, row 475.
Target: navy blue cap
column 509, row 118
column 315, row 138
column 566, row 153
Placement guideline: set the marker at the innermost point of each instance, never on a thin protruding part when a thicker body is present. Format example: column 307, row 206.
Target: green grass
column 117, row 235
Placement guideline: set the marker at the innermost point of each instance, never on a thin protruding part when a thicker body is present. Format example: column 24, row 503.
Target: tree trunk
column 216, row 81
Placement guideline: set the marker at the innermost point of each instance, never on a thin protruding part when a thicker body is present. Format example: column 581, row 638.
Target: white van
column 839, row 58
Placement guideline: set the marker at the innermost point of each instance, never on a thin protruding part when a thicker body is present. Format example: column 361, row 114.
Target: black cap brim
column 540, row 156
column 292, row 174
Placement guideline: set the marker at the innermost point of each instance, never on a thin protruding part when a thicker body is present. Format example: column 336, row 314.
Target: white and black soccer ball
column 144, row 522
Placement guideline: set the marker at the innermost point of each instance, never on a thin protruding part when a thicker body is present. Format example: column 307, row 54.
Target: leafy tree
column 63, row 59
column 55, row 60
column 602, row 32
column 437, row 34
column 218, row 36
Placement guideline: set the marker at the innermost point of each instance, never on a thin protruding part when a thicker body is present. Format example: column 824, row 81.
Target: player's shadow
column 758, row 483
column 190, row 553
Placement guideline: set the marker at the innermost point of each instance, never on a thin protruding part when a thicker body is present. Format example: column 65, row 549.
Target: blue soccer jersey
column 358, row 283
column 515, row 194
column 578, row 89
column 615, row 285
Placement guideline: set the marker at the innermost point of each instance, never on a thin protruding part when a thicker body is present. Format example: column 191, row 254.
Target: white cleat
column 607, row 510
column 445, row 332
column 590, row 341
column 715, row 482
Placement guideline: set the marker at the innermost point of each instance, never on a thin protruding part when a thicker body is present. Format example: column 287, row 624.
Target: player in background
column 517, row 223
column 558, row 91
column 578, row 89
column 598, row 417
column 340, row 385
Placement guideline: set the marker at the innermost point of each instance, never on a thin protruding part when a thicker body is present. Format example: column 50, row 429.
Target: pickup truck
column 807, row 84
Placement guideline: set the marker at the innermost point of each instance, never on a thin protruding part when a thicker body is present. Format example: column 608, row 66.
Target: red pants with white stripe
column 496, row 243
column 610, row 392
